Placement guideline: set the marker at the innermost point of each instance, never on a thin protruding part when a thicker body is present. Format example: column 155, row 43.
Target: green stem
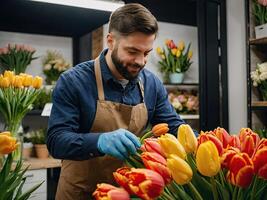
column 194, row 190
column 222, row 178
column 253, row 189
column 146, row 135
column 214, row 190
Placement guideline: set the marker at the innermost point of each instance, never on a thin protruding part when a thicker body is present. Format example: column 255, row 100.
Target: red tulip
column 121, row 177
column 223, row 136
column 157, row 163
column 234, row 141
column 227, row 156
column 152, row 145
column 171, row 45
column 106, row 191
column 259, row 159
column 209, row 136
column 248, row 140
column 144, row 183
column 241, row 170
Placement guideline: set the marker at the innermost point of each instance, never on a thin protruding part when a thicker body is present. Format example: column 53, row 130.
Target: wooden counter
column 36, row 163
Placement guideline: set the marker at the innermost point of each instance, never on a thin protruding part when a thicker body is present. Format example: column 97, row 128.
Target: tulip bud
column 181, row 45
column 190, row 54
column 17, row 82
column 10, row 75
column 174, row 50
column 152, row 145
column 4, row 82
column 170, row 145
column 248, row 140
column 160, row 129
column 187, row 138
column 259, row 159
column 178, row 53
column 209, row 136
column 207, row 159
column 180, row 170
column 27, row 81
column 223, row 136
column 159, row 50
column 7, row 143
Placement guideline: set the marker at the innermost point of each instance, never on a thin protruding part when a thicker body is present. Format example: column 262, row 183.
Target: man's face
column 130, row 53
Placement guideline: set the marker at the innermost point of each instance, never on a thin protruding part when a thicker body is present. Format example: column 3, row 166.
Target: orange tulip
column 248, row 140
column 227, row 156
column 259, row 159
column 170, row 145
column 106, row 191
column 235, row 141
column 121, row 177
column 209, row 136
column 144, row 183
column 160, row 129
column 241, row 170
column 223, row 136
column 152, row 145
column 7, row 143
column 157, row 163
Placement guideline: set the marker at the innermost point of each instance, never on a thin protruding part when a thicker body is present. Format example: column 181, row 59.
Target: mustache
column 137, row 66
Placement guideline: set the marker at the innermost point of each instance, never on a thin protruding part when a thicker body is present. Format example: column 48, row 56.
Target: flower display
column 214, row 165
column 259, row 78
column 17, row 94
column 175, row 58
column 184, row 102
column 16, row 57
column 54, row 64
column 12, row 179
column 259, row 11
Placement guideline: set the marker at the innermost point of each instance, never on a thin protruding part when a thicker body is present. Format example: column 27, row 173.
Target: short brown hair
column 133, row 17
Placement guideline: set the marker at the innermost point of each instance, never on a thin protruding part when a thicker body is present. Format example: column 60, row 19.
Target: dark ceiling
column 42, row 18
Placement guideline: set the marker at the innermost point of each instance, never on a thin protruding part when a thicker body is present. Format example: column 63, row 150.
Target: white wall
column 236, row 50
column 41, row 43
column 176, row 32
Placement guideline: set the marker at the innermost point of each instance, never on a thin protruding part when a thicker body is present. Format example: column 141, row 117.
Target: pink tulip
column 263, row 2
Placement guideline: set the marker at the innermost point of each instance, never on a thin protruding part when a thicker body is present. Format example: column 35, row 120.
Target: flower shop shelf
column 259, row 105
column 258, row 41
column 186, row 116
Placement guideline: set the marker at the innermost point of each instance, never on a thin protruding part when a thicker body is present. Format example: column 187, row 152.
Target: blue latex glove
column 119, row 143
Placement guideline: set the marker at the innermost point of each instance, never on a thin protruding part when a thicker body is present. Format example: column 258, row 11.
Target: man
column 100, row 106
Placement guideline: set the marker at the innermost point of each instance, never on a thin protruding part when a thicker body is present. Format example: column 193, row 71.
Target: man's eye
column 131, row 52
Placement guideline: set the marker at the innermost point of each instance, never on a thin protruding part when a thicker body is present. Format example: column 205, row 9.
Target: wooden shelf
column 36, row 163
column 185, row 116
column 259, row 105
column 258, row 41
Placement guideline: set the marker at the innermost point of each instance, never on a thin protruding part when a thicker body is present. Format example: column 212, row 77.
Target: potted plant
column 27, row 147
column 175, row 60
column 38, row 140
column 260, row 13
column 53, row 65
column 259, row 78
column 44, row 97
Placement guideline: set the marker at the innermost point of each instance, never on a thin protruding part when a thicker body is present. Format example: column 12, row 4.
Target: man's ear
column 110, row 41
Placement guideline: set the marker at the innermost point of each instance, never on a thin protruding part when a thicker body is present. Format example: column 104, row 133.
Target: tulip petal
column 244, row 176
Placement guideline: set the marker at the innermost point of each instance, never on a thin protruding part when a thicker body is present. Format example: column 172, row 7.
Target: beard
column 122, row 69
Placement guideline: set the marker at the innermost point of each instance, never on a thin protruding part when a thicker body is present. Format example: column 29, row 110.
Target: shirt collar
column 106, row 73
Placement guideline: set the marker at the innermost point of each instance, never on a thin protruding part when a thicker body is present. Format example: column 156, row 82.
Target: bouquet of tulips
column 214, row 165
column 12, row 178
column 17, row 94
column 175, row 59
column 16, row 57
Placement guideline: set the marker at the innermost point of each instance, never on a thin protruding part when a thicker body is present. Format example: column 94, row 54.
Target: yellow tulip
column 178, row 53
column 10, row 75
column 4, row 82
column 37, row 82
column 18, row 81
column 7, row 143
column 27, row 82
column 163, row 57
column 187, row 138
column 207, row 159
column 190, row 54
column 180, row 170
column 170, row 145
column 174, row 50
column 181, row 45
column 159, row 50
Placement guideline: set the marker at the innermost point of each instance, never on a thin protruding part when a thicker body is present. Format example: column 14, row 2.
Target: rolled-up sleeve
column 63, row 138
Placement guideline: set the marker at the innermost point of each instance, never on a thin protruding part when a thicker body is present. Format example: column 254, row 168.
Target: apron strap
column 98, row 77
column 141, row 86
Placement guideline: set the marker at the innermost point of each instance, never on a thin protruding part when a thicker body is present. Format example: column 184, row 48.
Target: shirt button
column 91, row 154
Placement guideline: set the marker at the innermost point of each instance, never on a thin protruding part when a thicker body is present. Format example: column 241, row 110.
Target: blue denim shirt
column 74, row 108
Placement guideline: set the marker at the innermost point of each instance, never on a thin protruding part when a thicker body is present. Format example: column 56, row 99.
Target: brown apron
column 78, row 179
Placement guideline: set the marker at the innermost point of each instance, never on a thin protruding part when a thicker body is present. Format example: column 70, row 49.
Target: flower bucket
column 261, row 31
column 176, row 77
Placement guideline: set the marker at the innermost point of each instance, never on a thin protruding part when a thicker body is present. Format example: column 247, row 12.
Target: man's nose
column 140, row 60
